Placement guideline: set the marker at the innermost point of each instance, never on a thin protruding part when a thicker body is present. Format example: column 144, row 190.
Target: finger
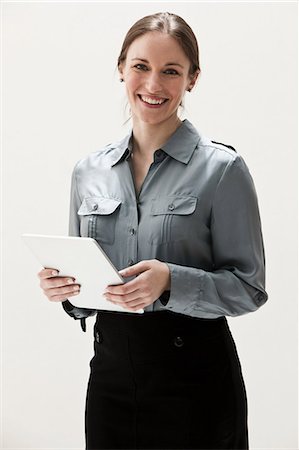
column 135, row 308
column 139, row 305
column 136, row 268
column 132, row 304
column 47, row 273
column 62, row 291
column 54, row 282
column 123, row 289
column 62, row 298
column 123, row 298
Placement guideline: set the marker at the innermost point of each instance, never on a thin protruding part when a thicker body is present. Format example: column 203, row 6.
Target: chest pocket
column 98, row 217
column 171, row 218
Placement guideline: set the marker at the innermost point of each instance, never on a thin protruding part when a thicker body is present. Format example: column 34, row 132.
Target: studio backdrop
column 61, row 100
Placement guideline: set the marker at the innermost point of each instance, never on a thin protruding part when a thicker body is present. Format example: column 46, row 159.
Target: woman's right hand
column 56, row 288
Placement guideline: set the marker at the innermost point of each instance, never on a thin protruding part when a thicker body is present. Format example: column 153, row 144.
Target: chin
column 154, row 120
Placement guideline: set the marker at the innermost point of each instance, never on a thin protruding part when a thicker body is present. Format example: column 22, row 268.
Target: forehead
column 158, row 46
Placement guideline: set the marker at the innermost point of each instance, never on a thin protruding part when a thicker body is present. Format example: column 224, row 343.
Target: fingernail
column 54, row 272
column 69, row 281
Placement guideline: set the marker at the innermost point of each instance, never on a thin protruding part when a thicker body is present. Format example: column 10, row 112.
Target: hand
column 57, row 289
column 153, row 279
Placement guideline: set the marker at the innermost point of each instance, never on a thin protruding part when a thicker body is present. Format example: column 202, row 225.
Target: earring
column 121, row 80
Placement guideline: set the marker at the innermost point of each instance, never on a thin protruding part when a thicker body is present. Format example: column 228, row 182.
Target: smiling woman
column 181, row 223
column 152, row 81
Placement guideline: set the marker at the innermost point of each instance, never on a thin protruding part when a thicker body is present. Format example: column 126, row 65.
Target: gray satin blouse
column 197, row 211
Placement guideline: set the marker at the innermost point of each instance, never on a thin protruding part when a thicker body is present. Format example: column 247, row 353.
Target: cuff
column 186, row 288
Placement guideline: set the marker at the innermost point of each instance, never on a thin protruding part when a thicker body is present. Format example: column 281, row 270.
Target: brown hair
column 171, row 24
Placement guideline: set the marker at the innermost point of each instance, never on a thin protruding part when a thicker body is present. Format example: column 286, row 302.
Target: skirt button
column 178, row 341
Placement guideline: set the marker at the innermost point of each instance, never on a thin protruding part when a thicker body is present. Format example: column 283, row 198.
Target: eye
column 140, row 66
column 172, row 71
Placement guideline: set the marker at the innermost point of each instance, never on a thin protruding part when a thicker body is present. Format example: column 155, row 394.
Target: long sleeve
column 236, row 285
column 74, row 230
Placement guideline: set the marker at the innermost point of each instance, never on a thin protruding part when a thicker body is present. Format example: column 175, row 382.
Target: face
column 156, row 74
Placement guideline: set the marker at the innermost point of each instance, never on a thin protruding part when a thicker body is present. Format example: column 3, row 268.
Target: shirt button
column 171, row 207
column 95, row 207
column 132, row 231
column 178, row 341
column 130, row 262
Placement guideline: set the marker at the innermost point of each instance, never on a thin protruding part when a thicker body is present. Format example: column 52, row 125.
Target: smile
column 152, row 101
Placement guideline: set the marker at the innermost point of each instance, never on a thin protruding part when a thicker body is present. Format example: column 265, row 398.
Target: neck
column 147, row 138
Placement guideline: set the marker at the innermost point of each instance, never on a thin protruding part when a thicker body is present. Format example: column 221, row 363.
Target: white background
column 62, row 100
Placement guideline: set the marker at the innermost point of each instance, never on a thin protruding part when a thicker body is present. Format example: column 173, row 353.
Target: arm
column 236, row 285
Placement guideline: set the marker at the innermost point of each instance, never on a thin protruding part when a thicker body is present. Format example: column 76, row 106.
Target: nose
column 153, row 83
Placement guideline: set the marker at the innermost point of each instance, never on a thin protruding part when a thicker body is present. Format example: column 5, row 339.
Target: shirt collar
column 179, row 146
column 182, row 142
column 122, row 149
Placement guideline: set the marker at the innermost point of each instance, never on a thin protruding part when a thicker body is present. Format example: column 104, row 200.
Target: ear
column 120, row 71
column 193, row 80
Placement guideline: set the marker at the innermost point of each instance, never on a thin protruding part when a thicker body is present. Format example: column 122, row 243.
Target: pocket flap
column 98, row 205
column 173, row 205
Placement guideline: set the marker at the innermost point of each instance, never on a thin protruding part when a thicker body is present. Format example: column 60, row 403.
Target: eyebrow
column 167, row 64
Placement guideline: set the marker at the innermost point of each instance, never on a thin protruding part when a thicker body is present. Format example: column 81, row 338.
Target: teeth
column 152, row 101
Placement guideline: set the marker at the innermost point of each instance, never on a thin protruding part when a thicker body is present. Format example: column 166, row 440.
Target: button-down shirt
column 197, row 211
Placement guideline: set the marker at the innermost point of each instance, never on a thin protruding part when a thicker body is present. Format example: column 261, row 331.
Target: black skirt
column 164, row 381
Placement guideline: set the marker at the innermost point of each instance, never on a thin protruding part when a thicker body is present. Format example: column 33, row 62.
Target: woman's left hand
column 152, row 280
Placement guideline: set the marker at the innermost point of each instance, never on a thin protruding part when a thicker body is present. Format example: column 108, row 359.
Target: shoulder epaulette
column 225, row 145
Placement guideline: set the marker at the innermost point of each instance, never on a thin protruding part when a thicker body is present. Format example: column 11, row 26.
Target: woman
column 179, row 214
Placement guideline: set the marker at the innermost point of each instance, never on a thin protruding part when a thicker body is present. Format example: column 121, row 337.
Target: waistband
column 158, row 322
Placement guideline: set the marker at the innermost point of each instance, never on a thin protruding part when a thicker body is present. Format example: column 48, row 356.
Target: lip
column 148, row 105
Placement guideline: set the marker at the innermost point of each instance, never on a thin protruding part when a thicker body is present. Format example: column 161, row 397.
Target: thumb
column 135, row 269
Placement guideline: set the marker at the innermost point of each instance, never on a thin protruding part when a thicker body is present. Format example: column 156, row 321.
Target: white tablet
column 83, row 259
